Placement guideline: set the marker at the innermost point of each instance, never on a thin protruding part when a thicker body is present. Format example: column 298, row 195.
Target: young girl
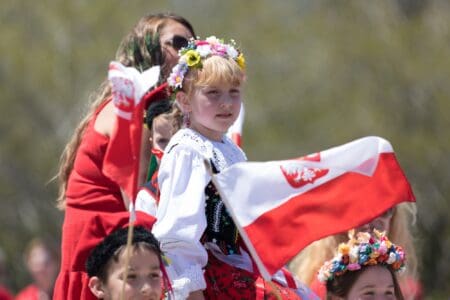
column 84, row 188
column 396, row 222
column 363, row 268
column 208, row 259
column 106, row 266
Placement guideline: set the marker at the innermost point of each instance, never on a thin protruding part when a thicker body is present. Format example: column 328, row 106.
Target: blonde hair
column 215, row 70
column 306, row 264
column 140, row 49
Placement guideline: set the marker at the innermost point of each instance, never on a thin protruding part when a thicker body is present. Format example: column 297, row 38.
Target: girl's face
column 212, row 109
column 375, row 282
column 173, row 36
column 162, row 131
column 143, row 278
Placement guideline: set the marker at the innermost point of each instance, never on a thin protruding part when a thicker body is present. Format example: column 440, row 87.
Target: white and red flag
column 282, row 206
column 235, row 131
column 130, row 97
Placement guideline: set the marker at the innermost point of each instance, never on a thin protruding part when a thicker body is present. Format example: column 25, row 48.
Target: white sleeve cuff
column 189, row 281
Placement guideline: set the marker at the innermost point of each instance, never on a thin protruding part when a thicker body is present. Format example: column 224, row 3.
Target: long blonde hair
column 306, row 264
column 140, row 49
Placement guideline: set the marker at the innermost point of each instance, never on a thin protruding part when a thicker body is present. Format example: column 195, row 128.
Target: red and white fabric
column 282, row 206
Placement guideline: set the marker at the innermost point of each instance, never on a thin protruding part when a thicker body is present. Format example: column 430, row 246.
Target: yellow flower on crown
column 344, row 249
column 192, row 58
column 240, row 60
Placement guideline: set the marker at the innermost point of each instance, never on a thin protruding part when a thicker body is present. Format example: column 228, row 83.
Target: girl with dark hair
column 364, row 268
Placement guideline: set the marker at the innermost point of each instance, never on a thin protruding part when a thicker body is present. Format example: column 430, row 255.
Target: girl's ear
column 183, row 101
column 96, row 287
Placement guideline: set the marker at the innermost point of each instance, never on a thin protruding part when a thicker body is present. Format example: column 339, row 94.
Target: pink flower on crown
column 353, row 267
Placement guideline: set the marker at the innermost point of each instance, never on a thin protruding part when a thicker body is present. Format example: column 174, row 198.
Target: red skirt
column 227, row 282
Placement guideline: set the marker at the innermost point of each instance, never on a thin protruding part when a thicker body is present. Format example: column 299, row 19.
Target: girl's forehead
column 218, row 84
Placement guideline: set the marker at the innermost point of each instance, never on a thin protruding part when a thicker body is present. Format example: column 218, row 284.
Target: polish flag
column 280, row 207
column 130, row 97
column 235, row 131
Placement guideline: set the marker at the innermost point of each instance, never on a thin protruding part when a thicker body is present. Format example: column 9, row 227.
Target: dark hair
column 111, row 246
column 340, row 285
column 155, row 109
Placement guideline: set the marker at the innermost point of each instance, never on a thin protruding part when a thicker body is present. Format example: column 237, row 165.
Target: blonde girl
column 207, row 258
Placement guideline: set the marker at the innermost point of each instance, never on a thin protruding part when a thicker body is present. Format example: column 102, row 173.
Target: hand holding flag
column 128, row 87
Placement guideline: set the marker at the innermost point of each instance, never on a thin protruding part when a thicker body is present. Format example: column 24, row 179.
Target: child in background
column 208, row 259
column 41, row 261
column 363, row 268
column 106, row 266
column 163, row 119
column 396, row 222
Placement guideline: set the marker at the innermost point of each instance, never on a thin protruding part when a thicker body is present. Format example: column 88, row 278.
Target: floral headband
column 365, row 250
column 191, row 57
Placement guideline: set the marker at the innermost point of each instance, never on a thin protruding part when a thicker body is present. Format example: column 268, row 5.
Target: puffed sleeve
column 181, row 218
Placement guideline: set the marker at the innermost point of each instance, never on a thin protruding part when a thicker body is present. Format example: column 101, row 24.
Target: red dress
column 88, row 193
column 30, row 292
column 5, row 294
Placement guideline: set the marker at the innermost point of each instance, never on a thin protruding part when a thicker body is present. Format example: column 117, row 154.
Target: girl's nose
column 226, row 101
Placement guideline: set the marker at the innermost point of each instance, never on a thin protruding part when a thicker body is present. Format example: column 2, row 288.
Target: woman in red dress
column 85, row 191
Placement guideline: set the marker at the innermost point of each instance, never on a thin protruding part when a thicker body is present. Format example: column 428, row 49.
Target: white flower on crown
column 354, row 254
column 392, row 258
column 204, row 50
column 232, row 52
column 213, row 40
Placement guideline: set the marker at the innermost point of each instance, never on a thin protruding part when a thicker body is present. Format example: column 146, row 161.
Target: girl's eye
column 235, row 92
column 155, row 275
column 131, row 276
column 212, row 92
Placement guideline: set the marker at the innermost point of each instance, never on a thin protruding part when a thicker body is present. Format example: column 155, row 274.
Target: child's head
column 397, row 224
column 41, row 260
column 207, row 81
column 363, row 267
column 163, row 119
column 106, row 266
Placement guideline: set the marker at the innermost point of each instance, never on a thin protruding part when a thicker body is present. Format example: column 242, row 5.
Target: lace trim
column 222, row 154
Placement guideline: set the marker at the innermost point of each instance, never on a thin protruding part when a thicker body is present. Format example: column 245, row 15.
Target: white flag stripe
column 229, row 181
column 356, row 156
column 261, row 267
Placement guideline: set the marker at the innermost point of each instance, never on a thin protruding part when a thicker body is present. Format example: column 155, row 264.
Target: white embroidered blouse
column 181, row 215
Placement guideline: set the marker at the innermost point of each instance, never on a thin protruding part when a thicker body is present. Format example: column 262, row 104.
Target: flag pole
column 265, row 274
column 128, row 252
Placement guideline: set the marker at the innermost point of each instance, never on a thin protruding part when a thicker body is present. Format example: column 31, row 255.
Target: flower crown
column 191, row 57
column 365, row 250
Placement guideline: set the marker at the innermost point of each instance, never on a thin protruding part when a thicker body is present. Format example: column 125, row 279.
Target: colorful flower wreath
column 364, row 250
column 192, row 55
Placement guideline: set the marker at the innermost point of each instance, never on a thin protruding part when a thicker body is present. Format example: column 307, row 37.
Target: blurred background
column 320, row 73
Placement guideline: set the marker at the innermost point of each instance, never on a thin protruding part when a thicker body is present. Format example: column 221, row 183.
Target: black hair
column 101, row 255
column 155, row 109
